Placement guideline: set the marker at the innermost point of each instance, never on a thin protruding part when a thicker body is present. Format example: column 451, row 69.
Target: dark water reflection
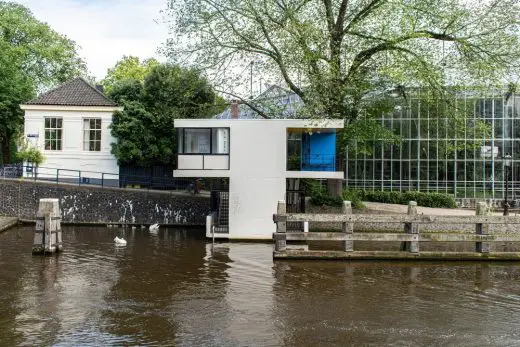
column 176, row 289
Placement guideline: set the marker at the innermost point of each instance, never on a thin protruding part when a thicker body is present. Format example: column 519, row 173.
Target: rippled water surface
column 174, row 288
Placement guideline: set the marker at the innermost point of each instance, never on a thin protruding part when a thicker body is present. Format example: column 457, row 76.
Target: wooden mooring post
column 47, row 234
column 481, row 228
column 347, row 228
column 281, row 228
column 413, row 229
column 409, row 239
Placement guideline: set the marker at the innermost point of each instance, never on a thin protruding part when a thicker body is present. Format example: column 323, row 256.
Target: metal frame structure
column 431, row 156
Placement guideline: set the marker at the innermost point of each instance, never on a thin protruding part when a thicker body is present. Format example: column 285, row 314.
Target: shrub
column 402, row 198
column 354, row 198
column 319, row 195
column 30, row 154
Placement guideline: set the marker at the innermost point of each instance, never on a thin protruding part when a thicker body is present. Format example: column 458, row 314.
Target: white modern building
column 253, row 155
column 70, row 124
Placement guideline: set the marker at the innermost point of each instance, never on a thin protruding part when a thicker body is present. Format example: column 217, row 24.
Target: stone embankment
column 94, row 204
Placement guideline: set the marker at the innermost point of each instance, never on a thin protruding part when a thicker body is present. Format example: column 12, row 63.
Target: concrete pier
column 47, row 234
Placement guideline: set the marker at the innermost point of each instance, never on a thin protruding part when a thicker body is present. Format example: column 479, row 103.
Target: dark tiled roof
column 76, row 92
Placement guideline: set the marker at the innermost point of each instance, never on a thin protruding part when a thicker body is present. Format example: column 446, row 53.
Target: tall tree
column 180, row 93
column 33, row 57
column 144, row 131
column 129, row 67
column 342, row 50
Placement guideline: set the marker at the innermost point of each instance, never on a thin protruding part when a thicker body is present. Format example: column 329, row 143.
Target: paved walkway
column 7, row 222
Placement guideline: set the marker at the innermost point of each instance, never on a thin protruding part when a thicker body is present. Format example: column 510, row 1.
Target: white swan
column 120, row 241
column 154, row 228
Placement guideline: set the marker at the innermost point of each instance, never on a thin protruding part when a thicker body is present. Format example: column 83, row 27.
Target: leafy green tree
column 142, row 138
column 179, row 92
column 129, row 67
column 15, row 88
column 126, row 90
column 33, row 57
column 343, row 50
column 144, row 131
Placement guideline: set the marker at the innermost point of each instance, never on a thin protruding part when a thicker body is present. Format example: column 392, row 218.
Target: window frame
column 182, row 144
column 90, row 141
column 49, row 130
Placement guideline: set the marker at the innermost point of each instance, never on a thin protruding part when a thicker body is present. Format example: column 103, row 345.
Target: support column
column 481, row 228
column 334, row 187
column 347, row 228
column 47, row 235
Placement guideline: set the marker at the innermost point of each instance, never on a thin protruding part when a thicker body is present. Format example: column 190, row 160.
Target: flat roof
column 289, row 123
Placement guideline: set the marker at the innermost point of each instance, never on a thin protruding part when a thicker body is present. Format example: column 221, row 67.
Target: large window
column 204, row 141
column 53, row 134
column 92, row 134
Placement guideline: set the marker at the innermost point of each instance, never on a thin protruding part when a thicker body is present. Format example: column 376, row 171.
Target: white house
column 71, row 126
column 253, row 154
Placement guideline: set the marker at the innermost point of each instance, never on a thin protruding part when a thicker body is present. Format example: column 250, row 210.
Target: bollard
column 281, row 227
column 481, row 228
column 347, row 228
column 412, row 228
column 209, row 225
column 47, row 234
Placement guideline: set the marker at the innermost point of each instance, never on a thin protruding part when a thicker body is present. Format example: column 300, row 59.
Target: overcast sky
column 105, row 29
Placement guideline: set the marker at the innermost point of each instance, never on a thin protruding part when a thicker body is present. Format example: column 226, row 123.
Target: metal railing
column 313, row 162
column 94, row 178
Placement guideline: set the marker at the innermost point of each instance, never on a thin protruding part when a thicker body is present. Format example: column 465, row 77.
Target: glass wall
column 437, row 151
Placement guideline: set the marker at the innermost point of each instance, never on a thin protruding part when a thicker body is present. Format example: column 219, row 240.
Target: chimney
column 234, row 109
column 100, row 88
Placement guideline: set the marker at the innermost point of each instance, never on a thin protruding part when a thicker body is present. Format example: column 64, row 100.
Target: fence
column 102, row 179
column 409, row 239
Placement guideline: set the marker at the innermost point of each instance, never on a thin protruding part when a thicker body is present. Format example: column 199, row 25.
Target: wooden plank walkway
column 7, row 222
column 409, row 239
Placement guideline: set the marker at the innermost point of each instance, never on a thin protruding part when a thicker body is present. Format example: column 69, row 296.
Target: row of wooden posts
column 410, row 239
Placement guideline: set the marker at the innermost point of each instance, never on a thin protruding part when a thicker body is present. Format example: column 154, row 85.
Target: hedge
column 402, row 198
column 320, row 197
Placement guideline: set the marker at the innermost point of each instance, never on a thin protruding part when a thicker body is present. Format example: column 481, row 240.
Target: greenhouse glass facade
column 462, row 155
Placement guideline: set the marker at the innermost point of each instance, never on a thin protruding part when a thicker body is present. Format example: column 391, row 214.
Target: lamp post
column 507, row 165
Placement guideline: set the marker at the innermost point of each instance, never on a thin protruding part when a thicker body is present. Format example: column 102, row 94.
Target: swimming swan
column 120, row 241
column 154, row 228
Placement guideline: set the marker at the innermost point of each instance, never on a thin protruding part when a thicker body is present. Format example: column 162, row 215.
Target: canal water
column 175, row 288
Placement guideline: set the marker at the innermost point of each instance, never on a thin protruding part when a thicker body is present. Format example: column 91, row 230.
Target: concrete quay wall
column 94, row 204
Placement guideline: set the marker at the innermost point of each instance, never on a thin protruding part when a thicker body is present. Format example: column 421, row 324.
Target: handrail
column 94, row 178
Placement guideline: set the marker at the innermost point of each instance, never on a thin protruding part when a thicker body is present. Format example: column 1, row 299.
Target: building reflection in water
column 175, row 288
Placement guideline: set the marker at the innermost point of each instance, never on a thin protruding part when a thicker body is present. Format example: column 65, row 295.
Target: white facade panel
column 72, row 155
column 200, row 173
column 216, row 162
column 338, row 175
column 190, row 162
